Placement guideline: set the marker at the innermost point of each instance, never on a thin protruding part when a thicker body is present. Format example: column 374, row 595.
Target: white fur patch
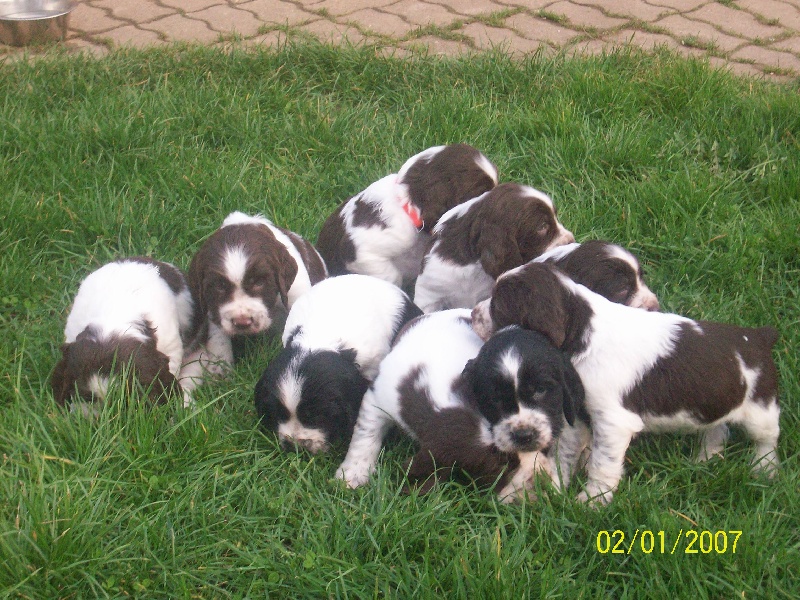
column 526, row 421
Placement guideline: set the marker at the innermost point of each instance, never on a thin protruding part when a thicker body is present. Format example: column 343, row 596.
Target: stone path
column 751, row 37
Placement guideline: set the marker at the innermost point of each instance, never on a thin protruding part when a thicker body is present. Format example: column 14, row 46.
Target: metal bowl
column 24, row 22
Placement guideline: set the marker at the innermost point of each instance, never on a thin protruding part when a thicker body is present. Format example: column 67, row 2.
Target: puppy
column 244, row 279
column 419, row 388
column 643, row 371
column 606, row 269
column 334, row 339
column 134, row 313
column 527, row 390
column 480, row 239
column 384, row 230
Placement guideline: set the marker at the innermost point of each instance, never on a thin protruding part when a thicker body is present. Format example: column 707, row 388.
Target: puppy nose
column 523, row 438
column 242, row 321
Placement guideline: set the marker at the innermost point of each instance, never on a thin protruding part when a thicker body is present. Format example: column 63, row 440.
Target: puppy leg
column 713, row 442
column 365, row 445
column 531, row 464
column 215, row 357
column 762, row 424
column 605, row 466
column 569, row 448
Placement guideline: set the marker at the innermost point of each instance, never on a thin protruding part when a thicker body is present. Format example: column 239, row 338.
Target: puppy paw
column 353, row 477
column 766, row 466
column 597, row 500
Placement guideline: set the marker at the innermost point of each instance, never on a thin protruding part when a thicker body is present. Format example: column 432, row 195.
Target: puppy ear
column 574, row 394
column 539, row 306
column 498, row 251
column 152, row 369
column 285, row 274
column 60, row 381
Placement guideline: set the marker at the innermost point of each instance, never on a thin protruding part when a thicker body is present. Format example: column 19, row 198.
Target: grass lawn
column 694, row 170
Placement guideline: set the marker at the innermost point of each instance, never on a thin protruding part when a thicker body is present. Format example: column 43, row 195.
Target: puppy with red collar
column 643, row 371
column 244, row 279
column 384, row 230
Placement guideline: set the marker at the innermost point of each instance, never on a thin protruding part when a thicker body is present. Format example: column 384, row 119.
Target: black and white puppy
column 528, row 391
column 133, row 313
column 384, row 230
column 244, row 278
column 606, row 269
column 477, row 241
column 335, row 337
column 643, row 371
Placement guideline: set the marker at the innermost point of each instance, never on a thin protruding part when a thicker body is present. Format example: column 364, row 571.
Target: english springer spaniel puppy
column 384, row 230
column 244, row 278
column 477, row 241
column 334, row 339
column 606, row 269
column 643, row 371
column 528, row 391
column 419, row 388
column 133, row 313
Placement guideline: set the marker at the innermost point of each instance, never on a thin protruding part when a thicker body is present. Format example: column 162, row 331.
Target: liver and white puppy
column 133, row 313
column 606, row 269
column 644, row 371
column 384, row 230
column 335, row 337
column 477, row 241
column 419, row 387
column 244, row 279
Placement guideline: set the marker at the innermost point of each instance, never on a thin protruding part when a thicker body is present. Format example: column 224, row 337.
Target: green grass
column 146, row 152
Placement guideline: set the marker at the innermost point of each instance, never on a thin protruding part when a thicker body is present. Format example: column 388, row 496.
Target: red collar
column 413, row 213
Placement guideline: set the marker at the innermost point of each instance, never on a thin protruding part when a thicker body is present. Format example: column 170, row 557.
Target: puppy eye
column 543, row 229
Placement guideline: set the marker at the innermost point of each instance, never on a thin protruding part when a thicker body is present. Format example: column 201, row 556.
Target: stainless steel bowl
column 24, row 22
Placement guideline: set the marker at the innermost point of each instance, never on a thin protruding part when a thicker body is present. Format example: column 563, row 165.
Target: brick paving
column 750, row 37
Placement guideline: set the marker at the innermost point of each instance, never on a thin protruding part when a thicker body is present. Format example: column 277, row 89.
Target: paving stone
column 590, row 48
column 273, row 39
column 735, row 21
column 225, row 19
column 680, row 5
column 91, row 19
column 437, row 46
column 346, row 7
column 631, row 9
column 327, row 31
column 275, row 11
column 471, row 8
column 681, row 27
column 768, row 58
column 529, row 4
column 789, row 45
column 136, row 12
column 788, row 15
column 85, row 47
column 643, row 39
column 735, row 68
column 541, row 29
column 486, row 37
column 381, row 23
column 129, row 35
column 183, row 29
column 189, row 6
column 585, row 16
column 422, row 13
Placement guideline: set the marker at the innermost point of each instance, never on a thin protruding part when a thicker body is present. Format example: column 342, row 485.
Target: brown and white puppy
column 133, row 313
column 384, row 230
column 244, row 279
column 477, row 241
column 606, row 269
column 643, row 371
